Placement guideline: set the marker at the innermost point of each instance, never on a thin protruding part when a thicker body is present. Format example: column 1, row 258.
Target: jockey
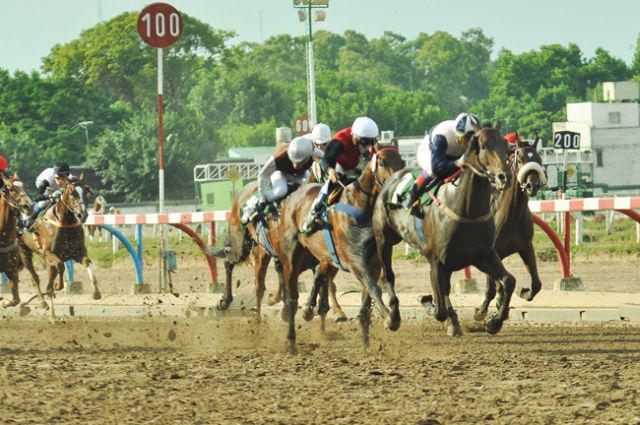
column 512, row 139
column 341, row 161
column 320, row 136
column 49, row 186
column 440, row 153
column 283, row 172
column 3, row 169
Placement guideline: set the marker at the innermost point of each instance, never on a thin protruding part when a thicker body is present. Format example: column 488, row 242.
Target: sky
column 30, row 28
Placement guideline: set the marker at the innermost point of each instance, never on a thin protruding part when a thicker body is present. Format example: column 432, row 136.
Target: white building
column 610, row 132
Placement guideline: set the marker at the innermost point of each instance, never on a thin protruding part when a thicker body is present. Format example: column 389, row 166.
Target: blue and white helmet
column 465, row 123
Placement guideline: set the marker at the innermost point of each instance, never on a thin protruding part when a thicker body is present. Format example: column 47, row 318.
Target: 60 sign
column 566, row 140
column 160, row 25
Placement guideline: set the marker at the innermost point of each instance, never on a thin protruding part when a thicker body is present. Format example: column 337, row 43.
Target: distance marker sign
column 160, row 25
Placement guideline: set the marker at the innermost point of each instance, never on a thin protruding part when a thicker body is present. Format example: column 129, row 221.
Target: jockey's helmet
column 3, row 163
column 365, row 128
column 465, row 123
column 320, row 134
column 300, row 149
column 512, row 137
column 62, row 169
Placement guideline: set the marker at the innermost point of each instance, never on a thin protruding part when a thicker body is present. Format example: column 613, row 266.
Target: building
column 610, row 139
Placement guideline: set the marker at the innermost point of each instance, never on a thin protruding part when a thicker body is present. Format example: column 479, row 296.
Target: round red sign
column 160, row 24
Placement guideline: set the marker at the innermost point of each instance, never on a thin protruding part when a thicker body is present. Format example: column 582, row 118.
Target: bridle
column 74, row 191
column 522, row 168
column 12, row 199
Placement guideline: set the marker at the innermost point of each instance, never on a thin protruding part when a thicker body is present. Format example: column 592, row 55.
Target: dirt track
column 194, row 371
column 206, row 372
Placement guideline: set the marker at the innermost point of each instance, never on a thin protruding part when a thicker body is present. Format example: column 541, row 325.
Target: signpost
column 565, row 140
column 302, row 125
column 160, row 25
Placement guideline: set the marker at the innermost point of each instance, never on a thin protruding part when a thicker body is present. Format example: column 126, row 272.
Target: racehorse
column 514, row 224
column 346, row 242
column 13, row 201
column 457, row 230
column 61, row 236
column 99, row 205
column 259, row 239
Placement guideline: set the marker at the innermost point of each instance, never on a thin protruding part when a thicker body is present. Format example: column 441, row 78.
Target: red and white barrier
column 585, row 204
column 167, row 218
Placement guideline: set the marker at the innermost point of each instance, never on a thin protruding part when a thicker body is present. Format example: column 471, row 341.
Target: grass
column 620, row 242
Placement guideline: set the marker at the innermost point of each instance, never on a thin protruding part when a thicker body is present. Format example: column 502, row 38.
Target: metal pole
column 163, row 241
column 311, row 75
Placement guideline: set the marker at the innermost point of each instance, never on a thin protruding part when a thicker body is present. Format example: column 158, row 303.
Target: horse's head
column 75, row 197
column 16, row 196
column 527, row 164
column 486, row 155
column 384, row 163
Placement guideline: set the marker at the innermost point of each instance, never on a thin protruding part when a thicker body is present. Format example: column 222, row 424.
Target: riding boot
column 416, row 190
column 314, row 219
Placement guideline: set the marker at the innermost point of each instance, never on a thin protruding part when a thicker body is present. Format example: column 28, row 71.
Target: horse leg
column 367, row 272
column 53, row 273
column 13, row 284
column 528, row 257
column 27, row 260
column 328, row 285
column 227, row 297
column 277, row 297
column 385, row 251
column 364, row 316
column 59, row 286
column 493, row 266
column 319, row 280
column 489, row 295
column 291, row 271
column 261, row 261
column 335, row 305
column 92, row 278
column 441, row 285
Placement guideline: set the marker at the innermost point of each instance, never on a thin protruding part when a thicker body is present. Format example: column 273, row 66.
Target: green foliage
column 217, row 97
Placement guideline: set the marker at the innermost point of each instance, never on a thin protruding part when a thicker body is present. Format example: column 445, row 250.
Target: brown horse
column 13, row 201
column 456, row 231
column 61, row 236
column 99, row 205
column 260, row 239
column 349, row 229
column 514, row 224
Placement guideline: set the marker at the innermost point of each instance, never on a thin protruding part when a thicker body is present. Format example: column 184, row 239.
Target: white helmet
column 364, row 127
column 300, row 149
column 465, row 123
column 321, row 133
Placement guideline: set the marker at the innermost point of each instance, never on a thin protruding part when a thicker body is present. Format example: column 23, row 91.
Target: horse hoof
column 341, row 318
column 493, row 325
column 97, row 295
column 392, row 324
column 284, row 313
column 479, row 315
column 24, row 310
column 44, row 305
column 307, row 313
column 11, row 303
column 454, row 330
column 223, row 304
column 526, row 294
column 271, row 300
column 292, row 349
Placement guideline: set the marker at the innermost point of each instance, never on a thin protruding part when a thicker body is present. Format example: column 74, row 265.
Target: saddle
column 404, row 186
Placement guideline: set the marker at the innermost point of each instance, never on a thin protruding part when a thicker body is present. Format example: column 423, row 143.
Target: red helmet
column 512, row 137
column 3, row 163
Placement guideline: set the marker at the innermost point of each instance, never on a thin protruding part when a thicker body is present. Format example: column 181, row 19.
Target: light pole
column 304, row 13
column 84, row 125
